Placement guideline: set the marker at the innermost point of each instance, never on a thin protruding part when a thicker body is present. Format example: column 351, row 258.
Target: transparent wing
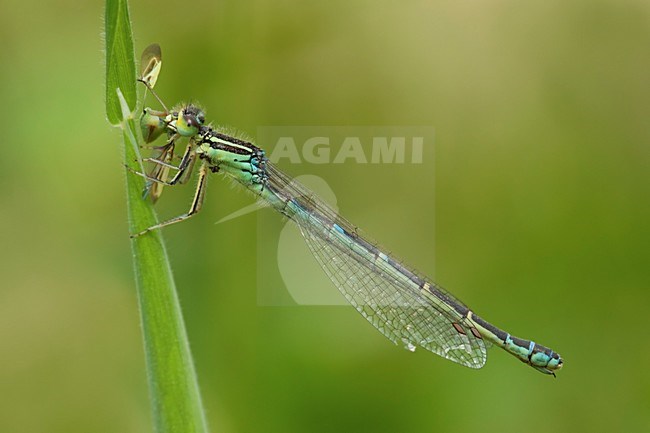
column 388, row 295
column 403, row 316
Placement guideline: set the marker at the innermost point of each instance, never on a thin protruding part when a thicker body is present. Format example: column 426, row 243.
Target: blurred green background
column 532, row 206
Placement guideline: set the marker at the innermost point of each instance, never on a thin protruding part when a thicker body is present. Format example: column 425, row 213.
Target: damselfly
column 405, row 306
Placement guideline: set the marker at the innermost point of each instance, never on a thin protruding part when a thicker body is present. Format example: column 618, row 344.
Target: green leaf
column 176, row 401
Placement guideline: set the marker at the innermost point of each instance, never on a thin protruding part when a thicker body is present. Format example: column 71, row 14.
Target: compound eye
column 191, row 120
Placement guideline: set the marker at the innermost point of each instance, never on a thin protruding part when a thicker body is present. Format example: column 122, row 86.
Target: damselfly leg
column 195, row 207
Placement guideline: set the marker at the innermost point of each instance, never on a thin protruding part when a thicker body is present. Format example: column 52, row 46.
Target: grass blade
column 173, row 387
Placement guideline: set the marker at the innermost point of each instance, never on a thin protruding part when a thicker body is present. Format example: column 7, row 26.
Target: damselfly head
column 190, row 120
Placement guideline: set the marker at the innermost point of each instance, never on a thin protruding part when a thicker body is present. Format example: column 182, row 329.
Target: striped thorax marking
column 228, row 144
